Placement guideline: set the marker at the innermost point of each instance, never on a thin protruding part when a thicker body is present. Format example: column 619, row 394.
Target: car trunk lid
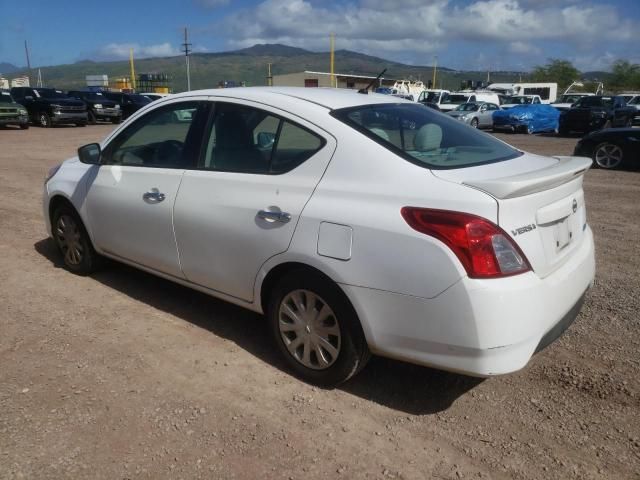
column 540, row 203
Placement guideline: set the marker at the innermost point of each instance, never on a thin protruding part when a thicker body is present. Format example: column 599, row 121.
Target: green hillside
column 250, row 65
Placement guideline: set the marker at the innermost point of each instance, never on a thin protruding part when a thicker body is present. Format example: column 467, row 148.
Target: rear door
column 129, row 202
column 240, row 206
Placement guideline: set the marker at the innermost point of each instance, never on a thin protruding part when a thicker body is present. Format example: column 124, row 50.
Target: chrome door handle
column 154, row 194
column 282, row 217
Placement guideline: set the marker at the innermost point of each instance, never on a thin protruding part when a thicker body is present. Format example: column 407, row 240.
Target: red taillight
column 482, row 247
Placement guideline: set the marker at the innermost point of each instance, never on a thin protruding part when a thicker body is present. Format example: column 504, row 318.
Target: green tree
column 625, row 75
column 556, row 70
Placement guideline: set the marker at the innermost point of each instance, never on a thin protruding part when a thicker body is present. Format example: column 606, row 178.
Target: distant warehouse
column 323, row 79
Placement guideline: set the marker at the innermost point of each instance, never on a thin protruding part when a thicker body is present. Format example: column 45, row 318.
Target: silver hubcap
column 43, row 120
column 608, row 156
column 68, row 238
column 309, row 329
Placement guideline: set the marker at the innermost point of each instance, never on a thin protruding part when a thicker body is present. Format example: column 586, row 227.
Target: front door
column 242, row 204
column 130, row 201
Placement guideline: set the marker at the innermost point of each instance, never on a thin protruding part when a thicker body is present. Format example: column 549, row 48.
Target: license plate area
column 562, row 234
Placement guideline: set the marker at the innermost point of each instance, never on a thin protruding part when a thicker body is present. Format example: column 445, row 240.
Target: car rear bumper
column 477, row 327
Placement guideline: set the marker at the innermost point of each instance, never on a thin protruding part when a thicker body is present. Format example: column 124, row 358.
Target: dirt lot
column 123, row 375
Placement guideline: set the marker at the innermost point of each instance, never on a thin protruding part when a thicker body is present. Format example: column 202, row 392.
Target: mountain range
column 250, row 65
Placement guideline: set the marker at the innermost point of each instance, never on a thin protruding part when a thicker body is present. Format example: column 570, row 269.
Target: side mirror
column 266, row 139
column 90, row 154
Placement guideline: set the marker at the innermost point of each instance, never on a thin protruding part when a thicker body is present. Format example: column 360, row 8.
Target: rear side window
column 425, row 137
column 249, row 140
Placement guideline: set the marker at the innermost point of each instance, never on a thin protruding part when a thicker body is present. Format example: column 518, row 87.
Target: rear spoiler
column 522, row 184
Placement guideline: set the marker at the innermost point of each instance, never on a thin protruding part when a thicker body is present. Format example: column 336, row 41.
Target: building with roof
column 323, row 79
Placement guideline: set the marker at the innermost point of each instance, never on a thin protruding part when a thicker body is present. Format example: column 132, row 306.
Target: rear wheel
column 316, row 329
column 73, row 241
column 608, row 156
column 24, row 126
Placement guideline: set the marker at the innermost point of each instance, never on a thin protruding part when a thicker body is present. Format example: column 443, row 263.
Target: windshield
column 468, row 107
column 139, row 98
column 49, row 93
column 432, row 97
column 518, row 100
column 424, row 136
column 5, row 98
column 457, row 99
column 595, row 102
column 569, row 99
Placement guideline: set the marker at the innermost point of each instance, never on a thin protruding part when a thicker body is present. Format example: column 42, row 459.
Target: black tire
column 116, row 120
column 351, row 346
column 81, row 124
column 73, row 242
column 91, row 118
column 474, row 123
column 24, row 126
column 563, row 132
column 44, row 120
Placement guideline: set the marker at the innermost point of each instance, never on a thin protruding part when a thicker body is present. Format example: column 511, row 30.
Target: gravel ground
column 123, row 375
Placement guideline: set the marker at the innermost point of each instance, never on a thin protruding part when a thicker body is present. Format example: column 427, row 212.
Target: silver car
column 478, row 114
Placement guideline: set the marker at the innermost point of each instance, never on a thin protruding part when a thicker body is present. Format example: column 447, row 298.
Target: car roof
column 330, row 98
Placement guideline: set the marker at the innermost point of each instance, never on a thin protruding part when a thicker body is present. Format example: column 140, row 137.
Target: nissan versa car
column 357, row 223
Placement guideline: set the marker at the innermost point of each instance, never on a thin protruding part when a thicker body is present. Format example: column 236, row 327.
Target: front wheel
column 316, row 329
column 608, row 156
column 116, row 120
column 474, row 123
column 73, row 242
column 44, row 120
column 24, row 126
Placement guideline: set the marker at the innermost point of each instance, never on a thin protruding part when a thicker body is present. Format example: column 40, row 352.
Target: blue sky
column 464, row 34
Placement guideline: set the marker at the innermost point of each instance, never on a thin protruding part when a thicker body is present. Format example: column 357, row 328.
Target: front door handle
column 282, row 217
column 154, row 194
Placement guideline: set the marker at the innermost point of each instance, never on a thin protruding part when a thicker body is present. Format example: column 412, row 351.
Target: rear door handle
column 154, row 194
column 282, row 217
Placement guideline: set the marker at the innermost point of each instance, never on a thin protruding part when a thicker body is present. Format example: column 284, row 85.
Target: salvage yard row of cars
column 49, row 106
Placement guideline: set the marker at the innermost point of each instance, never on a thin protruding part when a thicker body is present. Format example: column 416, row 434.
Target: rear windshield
column 424, row 136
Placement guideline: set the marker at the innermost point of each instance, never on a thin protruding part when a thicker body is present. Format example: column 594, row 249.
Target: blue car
column 527, row 118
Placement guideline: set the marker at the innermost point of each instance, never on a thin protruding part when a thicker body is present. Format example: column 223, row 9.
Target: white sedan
column 357, row 223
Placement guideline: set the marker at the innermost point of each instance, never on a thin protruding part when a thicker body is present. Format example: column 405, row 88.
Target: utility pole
column 269, row 76
column 26, row 51
column 332, row 41
column 435, row 66
column 187, row 50
column 133, row 70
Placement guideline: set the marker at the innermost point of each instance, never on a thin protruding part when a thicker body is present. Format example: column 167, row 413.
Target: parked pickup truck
column 594, row 113
column 12, row 113
column 99, row 107
column 48, row 106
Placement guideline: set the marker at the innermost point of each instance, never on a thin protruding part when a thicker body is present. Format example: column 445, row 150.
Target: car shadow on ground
column 408, row 388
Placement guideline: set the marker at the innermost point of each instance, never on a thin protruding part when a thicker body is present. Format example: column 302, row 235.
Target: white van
column 451, row 101
column 548, row 92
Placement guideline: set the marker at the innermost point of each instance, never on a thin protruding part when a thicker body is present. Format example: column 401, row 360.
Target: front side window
column 248, row 140
column 425, row 137
column 157, row 139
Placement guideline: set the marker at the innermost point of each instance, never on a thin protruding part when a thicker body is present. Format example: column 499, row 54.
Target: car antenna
column 365, row 90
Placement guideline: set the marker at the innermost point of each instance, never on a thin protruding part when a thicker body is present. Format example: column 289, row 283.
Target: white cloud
column 119, row 51
column 515, row 27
